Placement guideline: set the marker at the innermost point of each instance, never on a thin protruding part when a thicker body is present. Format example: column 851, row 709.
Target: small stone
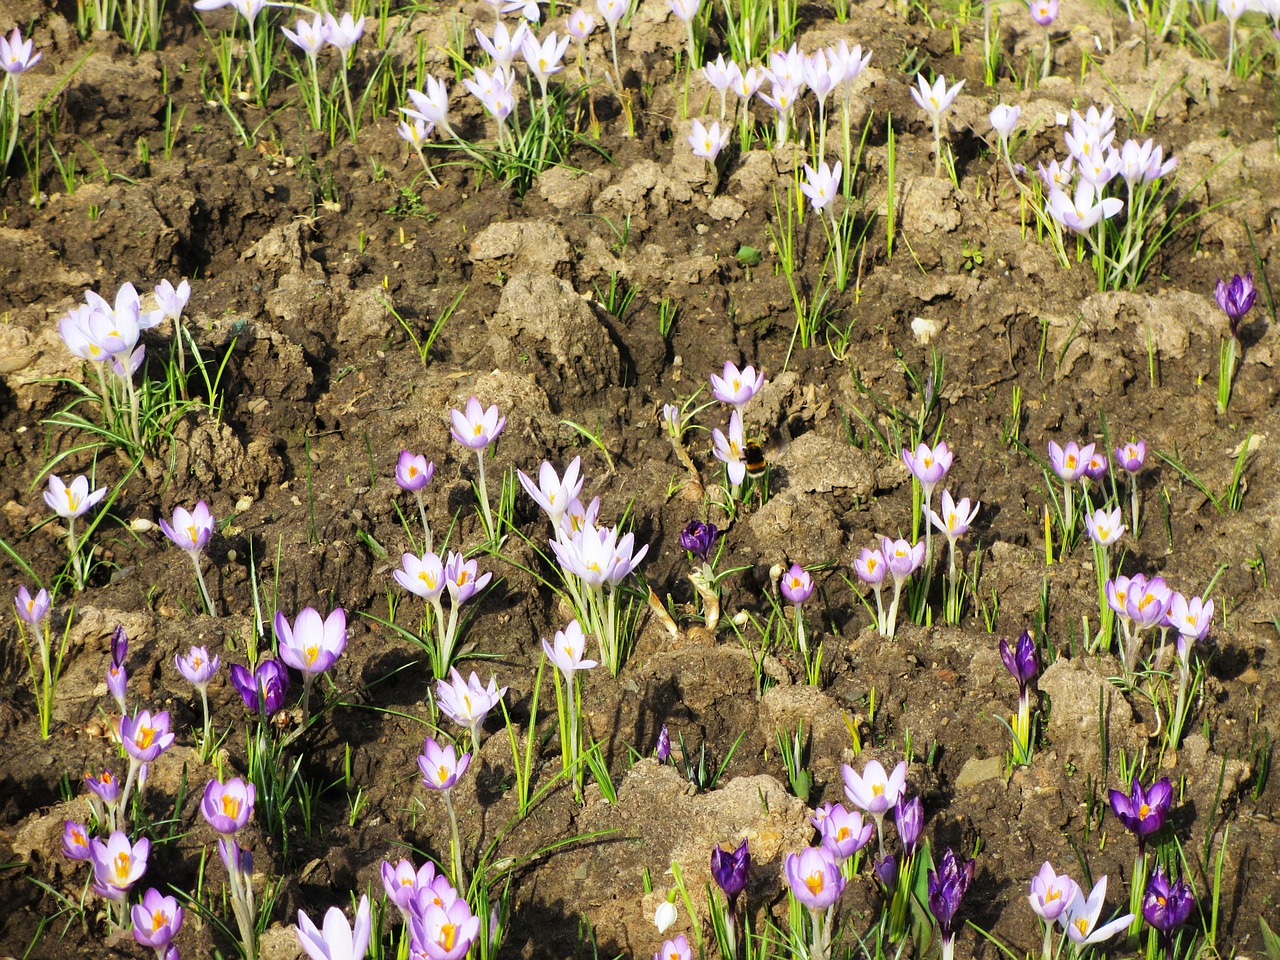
column 977, row 771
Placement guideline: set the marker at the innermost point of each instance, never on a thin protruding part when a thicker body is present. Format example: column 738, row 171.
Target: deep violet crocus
column 662, row 751
column 947, row 887
column 1236, row 299
column 1023, row 663
column 117, row 676
column 1142, row 811
column 262, row 689
column 730, row 870
column 1167, row 905
column 909, row 818
column 698, row 538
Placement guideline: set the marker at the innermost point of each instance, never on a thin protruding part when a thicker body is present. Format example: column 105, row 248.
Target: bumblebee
column 754, row 459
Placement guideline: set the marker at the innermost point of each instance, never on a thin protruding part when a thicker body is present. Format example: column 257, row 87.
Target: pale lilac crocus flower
column 190, row 532
column 797, row 586
column 816, row 883
column 552, row 493
column 117, row 864
column 402, row 882
column 31, row 610
column 872, row 570
column 311, row 645
column 466, row 702
column 1131, row 456
column 730, row 450
column 566, row 651
column 821, row 186
column 929, row 467
column 477, row 428
column 934, row 100
column 720, row 75
column 198, row 668
column 310, row 38
column 156, row 921
column 903, row 559
column 953, row 522
column 1051, row 894
column 338, row 940
column 1080, row 919
column 736, row 387
column 875, row 792
column 708, row 142
column 413, row 473
column 1069, row 463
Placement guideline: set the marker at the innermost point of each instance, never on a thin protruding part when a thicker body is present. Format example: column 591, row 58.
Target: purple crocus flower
column 227, row 806
column 262, row 689
column 1143, row 811
column 1236, row 299
column 796, row 585
column 197, row 667
column 1167, row 906
column 663, row 750
column 444, row 932
column 843, row 833
column 886, row 871
column 145, row 737
column 737, row 387
column 191, row 529
column 156, row 920
column 31, row 610
column 1131, row 456
column 117, row 676
column 1070, row 462
column 402, row 882
column 698, row 539
column 947, row 887
column 441, row 766
column 1051, row 893
column 478, row 427
column 1096, row 468
column 461, row 580
column 814, row 877
column 909, row 817
column 106, row 787
column 75, row 841
column 413, row 472
column 311, row 644
column 118, row 864
column 1022, row 661
column 730, row 870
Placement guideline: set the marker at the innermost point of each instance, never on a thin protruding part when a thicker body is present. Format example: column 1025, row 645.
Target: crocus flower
column 677, row 949
column 118, row 864
column 886, row 871
column 902, row 560
column 737, row 387
column 821, row 186
column 580, row 24
column 1104, row 526
column 467, row 703
column 117, row 677
column 909, row 818
column 1003, row 120
column 402, row 882
column 934, row 100
column 1022, row 661
column 729, row 449
column 1069, row 462
column 16, row 54
column 844, row 832
column 698, row 539
column 566, row 653
column 730, row 871
column 309, row 37
column 74, row 500
column 1051, row 893
column 197, row 667
column 796, row 585
column 707, row 142
column 1142, row 811
column 156, row 920
column 1084, row 209
column 1167, row 906
column 1147, row 601
column 1044, row 12
column 1236, row 299
column 814, row 877
column 955, row 518
column 929, row 466
column 875, row 791
column 75, row 841
column 249, row 9
column 190, row 530
column 612, row 11
column 432, row 105
column 145, row 737
column 1096, row 468
column 413, row 472
column 1080, row 919
column 311, row 645
column 553, row 493
column 870, row 567
column 106, row 786
column 441, row 766
column 445, row 933
column 264, row 688
column 1191, row 618
column 947, row 887
column 663, row 748
column 1131, row 456
column 345, row 33
column 338, row 940
column 31, row 610
column 477, row 428
column 461, row 580
column 423, row 575
column 227, row 806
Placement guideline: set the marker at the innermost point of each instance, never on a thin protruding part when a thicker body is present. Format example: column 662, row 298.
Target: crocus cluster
column 1081, row 192
column 439, row 921
column 427, row 577
column 896, row 559
column 311, row 37
column 108, row 334
column 1057, row 899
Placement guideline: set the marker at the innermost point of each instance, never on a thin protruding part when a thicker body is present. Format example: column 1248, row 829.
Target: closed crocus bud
column 909, row 817
column 886, row 871
column 729, row 870
column 663, row 750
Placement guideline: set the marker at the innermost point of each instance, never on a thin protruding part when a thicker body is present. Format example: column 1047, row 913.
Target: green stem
column 484, row 492
column 455, row 845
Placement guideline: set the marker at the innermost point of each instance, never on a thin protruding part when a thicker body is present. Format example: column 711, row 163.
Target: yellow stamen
column 312, row 652
column 230, row 807
column 143, row 736
column 447, row 934
column 815, row 882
